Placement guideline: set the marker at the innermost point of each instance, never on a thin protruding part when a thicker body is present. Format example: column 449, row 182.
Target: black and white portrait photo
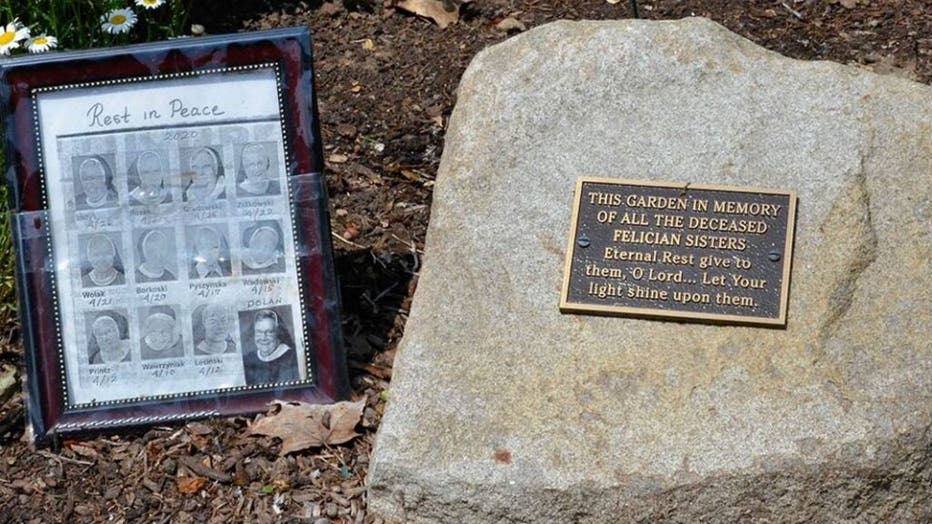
column 101, row 260
column 204, row 181
column 93, row 182
column 269, row 354
column 209, row 251
column 156, row 256
column 262, row 250
column 107, row 337
column 147, row 178
column 257, row 174
column 212, row 329
column 160, row 337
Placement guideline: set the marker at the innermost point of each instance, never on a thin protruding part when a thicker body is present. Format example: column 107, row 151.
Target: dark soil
column 386, row 85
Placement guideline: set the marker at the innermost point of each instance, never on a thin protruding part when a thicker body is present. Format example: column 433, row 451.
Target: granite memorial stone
column 502, row 409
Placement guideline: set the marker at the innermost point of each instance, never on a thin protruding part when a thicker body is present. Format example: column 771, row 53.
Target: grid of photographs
column 177, row 267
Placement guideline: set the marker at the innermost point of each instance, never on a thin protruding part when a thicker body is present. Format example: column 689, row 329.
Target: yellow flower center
column 150, row 2
column 7, row 37
column 118, row 20
column 40, row 40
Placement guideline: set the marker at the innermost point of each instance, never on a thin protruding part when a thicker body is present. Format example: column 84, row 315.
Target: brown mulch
column 386, row 84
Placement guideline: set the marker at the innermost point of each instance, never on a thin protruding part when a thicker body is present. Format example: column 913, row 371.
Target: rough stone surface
column 504, row 410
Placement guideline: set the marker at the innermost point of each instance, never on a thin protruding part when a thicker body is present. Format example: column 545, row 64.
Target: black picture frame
column 23, row 80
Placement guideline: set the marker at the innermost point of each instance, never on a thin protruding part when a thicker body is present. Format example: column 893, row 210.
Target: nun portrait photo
column 161, row 333
column 257, row 173
column 204, row 170
column 209, row 252
column 102, row 265
column 94, row 186
column 262, row 249
column 269, row 355
column 155, row 251
column 146, row 177
column 108, row 337
column 212, row 326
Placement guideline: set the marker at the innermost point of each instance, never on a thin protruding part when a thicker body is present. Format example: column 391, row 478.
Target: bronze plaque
column 679, row 251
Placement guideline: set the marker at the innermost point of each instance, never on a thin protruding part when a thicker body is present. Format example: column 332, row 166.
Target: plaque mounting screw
column 774, row 256
column 583, row 240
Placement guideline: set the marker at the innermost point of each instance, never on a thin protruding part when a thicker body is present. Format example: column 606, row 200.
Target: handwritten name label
column 148, row 366
column 207, row 289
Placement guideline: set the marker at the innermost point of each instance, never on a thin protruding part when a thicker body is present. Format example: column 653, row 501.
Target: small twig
column 792, row 11
column 194, row 465
column 377, row 259
column 145, row 460
column 365, row 296
column 53, row 456
column 350, row 242
column 382, row 294
column 112, row 444
column 409, row 244
column 414, row 251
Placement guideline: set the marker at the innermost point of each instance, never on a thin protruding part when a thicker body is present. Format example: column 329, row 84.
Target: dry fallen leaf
column 443, row 12
column 850, row 4
column 351, row 231
column 302, row 426
column 191, row 485
column 329, row 9
column 510, row 24
column 84, row 451
column 199, row 429
column 8, row 383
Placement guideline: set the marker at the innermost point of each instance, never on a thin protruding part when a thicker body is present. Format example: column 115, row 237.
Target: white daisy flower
column 118, row 21
column 41, row 43
column 11, row 35
column 150, row 4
